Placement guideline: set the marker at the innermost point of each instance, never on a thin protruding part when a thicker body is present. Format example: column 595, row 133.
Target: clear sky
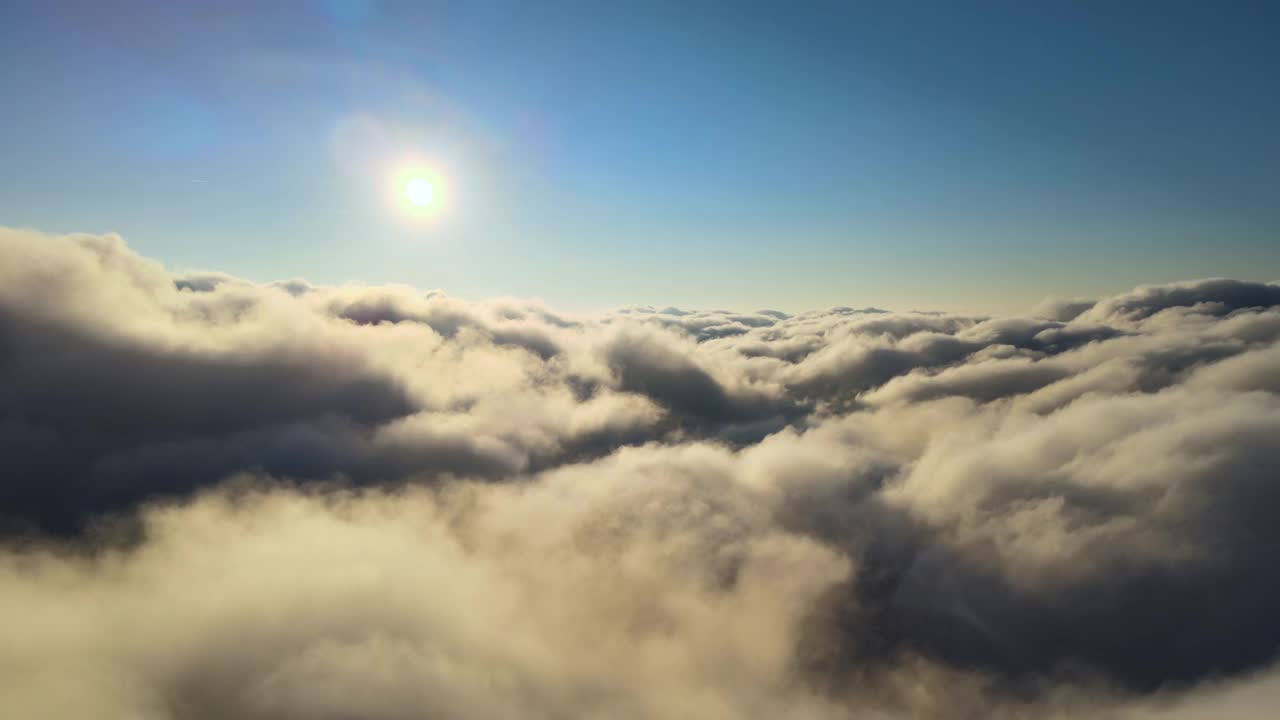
column 975, row 155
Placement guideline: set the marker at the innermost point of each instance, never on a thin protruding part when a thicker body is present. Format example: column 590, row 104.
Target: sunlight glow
column 419, row 191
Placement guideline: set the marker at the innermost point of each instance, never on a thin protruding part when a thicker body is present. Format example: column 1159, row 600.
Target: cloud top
column 226, row 499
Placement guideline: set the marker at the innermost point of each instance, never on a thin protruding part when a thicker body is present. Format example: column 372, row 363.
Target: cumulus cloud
column 227, row 499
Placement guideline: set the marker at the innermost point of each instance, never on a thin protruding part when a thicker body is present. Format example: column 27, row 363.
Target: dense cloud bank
column 223, row 499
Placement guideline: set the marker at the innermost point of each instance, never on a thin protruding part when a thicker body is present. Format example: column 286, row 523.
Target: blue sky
column 790, row 155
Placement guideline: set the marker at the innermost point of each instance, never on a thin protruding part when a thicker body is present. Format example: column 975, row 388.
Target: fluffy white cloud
column 480, row 509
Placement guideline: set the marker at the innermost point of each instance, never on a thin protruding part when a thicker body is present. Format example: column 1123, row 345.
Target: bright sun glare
column 418, row 191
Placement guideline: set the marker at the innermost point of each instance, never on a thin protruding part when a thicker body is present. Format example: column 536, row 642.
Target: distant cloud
column 226, row 499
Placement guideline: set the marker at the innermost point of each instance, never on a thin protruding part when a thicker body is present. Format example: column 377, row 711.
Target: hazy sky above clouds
column 745, row 155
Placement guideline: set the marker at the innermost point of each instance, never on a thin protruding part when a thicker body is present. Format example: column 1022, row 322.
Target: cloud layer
column 224, row 499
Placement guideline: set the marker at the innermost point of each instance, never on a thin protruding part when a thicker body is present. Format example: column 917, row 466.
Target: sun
column 418, row 191
column 421, row 192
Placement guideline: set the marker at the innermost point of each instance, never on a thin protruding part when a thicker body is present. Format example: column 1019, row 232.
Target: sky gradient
column 597, row 155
